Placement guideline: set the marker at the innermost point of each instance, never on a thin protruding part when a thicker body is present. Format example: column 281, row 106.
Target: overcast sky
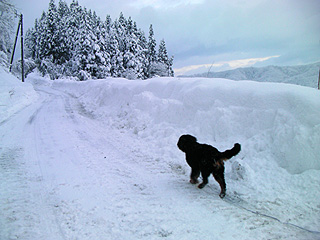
column 216, row 34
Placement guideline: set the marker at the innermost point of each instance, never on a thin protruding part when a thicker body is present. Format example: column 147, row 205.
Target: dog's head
column 185, row 141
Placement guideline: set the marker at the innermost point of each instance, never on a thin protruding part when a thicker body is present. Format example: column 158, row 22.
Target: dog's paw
column 201, row 185
column 194, row 181
column 222, row 195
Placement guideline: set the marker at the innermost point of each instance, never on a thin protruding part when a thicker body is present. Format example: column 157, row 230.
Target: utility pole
column 22, row 57
column 15, row 44
column 20, row 27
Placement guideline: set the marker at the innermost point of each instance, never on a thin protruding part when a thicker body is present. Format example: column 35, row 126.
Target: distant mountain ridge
column 304, row 75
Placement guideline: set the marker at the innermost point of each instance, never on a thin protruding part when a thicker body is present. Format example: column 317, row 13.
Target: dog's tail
column 231, row 152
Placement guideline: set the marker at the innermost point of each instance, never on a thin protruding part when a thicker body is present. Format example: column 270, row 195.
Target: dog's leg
column 195, row 173
column 205, row 176
column 220, row 179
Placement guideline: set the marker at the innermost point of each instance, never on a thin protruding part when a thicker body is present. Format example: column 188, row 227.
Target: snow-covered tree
column 63, row 48
column 164, row 59
column 143, row 43
column 51, row 33
column 7, row 14
column 116, row 63
column 171, row 72
column 73, row 41
column 152, row 55
column 31, row 41
column 108, row 23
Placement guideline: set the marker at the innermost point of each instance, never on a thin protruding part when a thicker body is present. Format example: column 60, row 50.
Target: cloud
column 198, row 31
column 248, row 62
column 247, row 28
column 222, row 65
column 164, row 4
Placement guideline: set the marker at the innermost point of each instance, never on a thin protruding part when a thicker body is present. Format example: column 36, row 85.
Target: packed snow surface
column 98, row 159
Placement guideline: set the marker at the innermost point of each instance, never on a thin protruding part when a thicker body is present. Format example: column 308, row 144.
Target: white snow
column 98, row 159
column 304, row 75
column 14, row 96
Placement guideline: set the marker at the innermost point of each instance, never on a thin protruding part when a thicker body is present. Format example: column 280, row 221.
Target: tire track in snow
column 31, row 215
column 57, row 160
column 133, row 198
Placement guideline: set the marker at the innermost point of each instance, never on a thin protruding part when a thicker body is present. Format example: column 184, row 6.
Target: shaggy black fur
column 205, row 159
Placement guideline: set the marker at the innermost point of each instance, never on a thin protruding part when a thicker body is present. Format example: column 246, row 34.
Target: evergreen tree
column 153, row 66
column 121, row 26
column 51, row 37
column 162, row 53
column 142, row 41
column 101, row 52
column 132, row 55
column 63, row 48
column 152, row 57
column 73, row 41
column 116, row 65
column 41, row 37
column 108, row 24
column 171, row 72
column 164, row 59
column 31, row 40
column 63, row 9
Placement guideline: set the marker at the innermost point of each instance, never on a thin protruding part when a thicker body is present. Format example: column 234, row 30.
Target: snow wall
column 273, row 122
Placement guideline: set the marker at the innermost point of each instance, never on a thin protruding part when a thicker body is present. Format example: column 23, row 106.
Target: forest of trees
column 74, row 41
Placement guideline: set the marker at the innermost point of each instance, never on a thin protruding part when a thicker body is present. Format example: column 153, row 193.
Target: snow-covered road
column 65, row 174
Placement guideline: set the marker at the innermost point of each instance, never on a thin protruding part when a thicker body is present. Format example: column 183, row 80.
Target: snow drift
column 14, row 96
column 272, row 120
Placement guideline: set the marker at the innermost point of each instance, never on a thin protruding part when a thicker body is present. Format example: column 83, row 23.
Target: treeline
column 74, row 41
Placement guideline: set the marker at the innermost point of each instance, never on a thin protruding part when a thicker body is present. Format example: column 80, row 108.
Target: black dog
column 206, row 159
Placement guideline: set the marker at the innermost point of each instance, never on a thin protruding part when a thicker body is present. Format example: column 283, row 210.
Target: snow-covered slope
column 304, row 75
column 101, row 161
column 14, row 95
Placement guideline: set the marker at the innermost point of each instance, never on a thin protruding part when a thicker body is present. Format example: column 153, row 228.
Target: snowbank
column 271, row 120
column 14, row 95
column 278, row 126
